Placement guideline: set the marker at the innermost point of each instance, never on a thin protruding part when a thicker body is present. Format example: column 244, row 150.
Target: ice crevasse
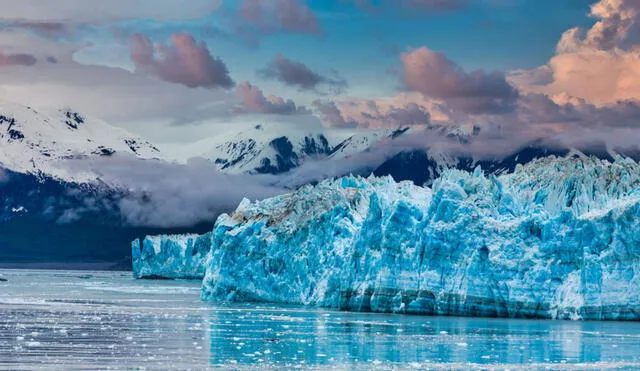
column 557, row 238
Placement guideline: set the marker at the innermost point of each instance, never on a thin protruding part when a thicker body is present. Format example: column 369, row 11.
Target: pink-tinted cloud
column 372, row 114
column 597, row 76
column 20, row 59
column 618, row 26
column 409, row 115
column 434, row 75
column 546, row 116
column 536, row 77
column 183, row 61
column 82, row 11
column 254, row 100
column 297, row 74
column 279, row 15
column 600, row 65
column 332, row 116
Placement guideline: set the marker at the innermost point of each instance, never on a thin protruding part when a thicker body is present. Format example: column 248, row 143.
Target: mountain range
column 50, row 211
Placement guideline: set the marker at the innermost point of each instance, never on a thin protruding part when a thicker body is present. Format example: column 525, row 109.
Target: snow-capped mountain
column 49, row 212
column 34, row 141
column 362, row 141
column 76, row 218
column 277, row 148
column 268, row 152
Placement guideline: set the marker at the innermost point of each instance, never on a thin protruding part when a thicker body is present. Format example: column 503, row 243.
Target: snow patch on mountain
column 35, row 142
column 274, row 148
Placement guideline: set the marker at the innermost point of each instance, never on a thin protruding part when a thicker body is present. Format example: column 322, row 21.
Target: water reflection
column 66, row 320
column 294, row 336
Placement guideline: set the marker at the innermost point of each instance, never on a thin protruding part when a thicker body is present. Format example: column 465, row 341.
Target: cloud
column 21, row 59
column 81, row 11
column 184, row 61
column 618, row 26
column 134, row 100
column 161, row 194
column 535, row 77
column 434, row 75
column 297, row 74
column 598, row 76
column 544, row 117
column 600, row 65
column 254, row 100
column 54, row 30
column 409, row 115
column 332, row 116
column 399, row 111
column 269, row 16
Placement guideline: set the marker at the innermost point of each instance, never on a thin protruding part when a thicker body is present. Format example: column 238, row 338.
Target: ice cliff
column 557, row 238
column 168, row 257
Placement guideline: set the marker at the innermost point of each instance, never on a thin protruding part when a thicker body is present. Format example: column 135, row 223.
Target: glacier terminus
column 557, row 238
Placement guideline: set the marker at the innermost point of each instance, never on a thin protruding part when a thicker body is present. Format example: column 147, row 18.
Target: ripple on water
column 75, row 320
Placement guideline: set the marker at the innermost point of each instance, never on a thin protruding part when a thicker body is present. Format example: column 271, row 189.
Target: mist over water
column 97, row 320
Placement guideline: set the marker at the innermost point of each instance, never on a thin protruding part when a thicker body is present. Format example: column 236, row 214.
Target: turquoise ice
column 171, row 256
column 557, row 238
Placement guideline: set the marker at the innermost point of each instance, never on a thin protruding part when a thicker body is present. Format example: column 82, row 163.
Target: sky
column 176, row 71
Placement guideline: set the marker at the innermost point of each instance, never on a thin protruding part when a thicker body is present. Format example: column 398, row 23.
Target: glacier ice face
column 557, row 238
column 171, row 257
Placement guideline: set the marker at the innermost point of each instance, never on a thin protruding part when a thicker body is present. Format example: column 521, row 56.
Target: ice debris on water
column 171, row 256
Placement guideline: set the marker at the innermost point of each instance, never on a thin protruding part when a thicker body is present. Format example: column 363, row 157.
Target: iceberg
column 557, row 238
column 171, row 256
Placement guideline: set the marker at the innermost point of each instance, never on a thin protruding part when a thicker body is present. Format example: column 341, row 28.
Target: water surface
column 107, row 320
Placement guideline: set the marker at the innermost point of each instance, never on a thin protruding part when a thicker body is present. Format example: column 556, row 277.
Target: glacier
column 171, row 256
column 556, row 238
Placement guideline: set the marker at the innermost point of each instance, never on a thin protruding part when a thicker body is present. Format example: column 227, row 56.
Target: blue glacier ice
column 171, row 256
column 557, row 238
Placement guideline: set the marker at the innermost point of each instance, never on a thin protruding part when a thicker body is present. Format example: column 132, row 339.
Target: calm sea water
column 105, row 320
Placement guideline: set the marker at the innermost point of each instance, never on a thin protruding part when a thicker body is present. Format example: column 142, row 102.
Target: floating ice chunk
column 171, row 257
